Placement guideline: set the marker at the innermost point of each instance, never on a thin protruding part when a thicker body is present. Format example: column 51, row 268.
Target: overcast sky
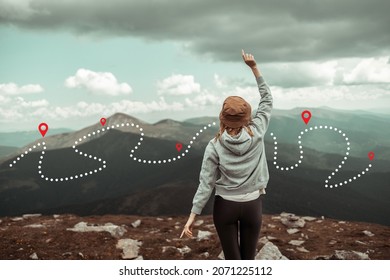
column 69, row 63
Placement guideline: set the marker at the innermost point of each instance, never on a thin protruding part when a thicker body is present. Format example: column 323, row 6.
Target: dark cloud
column 295, row 30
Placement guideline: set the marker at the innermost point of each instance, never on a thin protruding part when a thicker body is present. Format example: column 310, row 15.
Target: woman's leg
column 250, row 224
column 225, row 217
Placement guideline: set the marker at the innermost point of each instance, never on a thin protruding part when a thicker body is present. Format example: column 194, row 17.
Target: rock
column 130, row 248
column 203, row 235
column 332, row 242
column 323, row 257
column 263, row 240
column 360, row 242
column 349, row 255
column 1, row 221
column 269, row 237
column 198, row 223
column 177, row 227
column 322, row 218
column 139, row 258
column 27, row 216
column 319, row 221
column 33, row 256
column 67, row 254
column 114, row 230
column 166, row 248
column 296, row 242
column 342, row 222
column 205, row 254
column 270, row 252
column 221, row 256
column 136, row 223
column 275, row 218
column 368, row 233
column 55, row 216
column 34, row 226
column 17, row 219
column 160, row 219
column 169, row 219
column 292, row 230
column 184, row 250
column 302, row 249
column 292, row 221
column 285, row 214
column 271, row 226
column 81, row 255
column 309, row 219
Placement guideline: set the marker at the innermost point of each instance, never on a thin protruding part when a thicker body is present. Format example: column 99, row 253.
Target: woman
column 235, row 165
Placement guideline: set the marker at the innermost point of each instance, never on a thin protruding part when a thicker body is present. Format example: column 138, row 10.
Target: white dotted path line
column 104, row 163
column 287, row 168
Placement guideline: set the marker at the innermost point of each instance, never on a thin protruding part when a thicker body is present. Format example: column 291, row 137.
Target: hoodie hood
column 238, row 144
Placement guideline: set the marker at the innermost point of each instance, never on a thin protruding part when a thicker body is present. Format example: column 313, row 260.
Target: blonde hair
column 231, row 131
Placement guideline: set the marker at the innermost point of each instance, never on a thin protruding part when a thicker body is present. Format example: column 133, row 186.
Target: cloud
column 178, row 85
column 274, row 31
column 369, row 71
column 31, row 104
column 103, row 83
column 14, row 89
column 17, row 10
column 84, row 109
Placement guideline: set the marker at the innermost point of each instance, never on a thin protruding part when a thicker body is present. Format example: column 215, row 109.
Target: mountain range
column 130, row 187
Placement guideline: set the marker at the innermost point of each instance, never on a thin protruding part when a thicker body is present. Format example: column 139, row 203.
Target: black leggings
column 228, row 217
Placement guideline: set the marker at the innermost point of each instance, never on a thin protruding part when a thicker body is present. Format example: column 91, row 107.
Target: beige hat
column 236, row 112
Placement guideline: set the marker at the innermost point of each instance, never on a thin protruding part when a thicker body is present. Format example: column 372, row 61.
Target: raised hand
column 251, row 62
column 249, row 59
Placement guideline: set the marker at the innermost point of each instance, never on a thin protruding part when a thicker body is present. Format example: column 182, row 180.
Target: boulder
column 34, row 256
column 296, row 242
column 292, row 221
column 198, row 223
column 349, row 255
column 203, row 235
column 114, row 230
column 34, row 226
column 27, row 216
column 292, row 230
column 302, row 249
column 136, row 223
column 309, row 218
column 130, row 248
column 270, row 252
column 368, row 233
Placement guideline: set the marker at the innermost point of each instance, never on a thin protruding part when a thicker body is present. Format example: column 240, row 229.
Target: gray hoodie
column 236, row 164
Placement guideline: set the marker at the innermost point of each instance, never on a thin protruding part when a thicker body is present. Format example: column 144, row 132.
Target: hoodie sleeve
column 207, row 178
column 263, row 113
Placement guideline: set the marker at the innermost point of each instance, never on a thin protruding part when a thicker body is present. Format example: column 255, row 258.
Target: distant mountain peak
column 122, row 117
column 169, row 122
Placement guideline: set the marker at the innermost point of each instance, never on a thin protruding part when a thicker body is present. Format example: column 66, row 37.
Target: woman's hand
column 251, row 62
column 249, row 59
column 188, row 226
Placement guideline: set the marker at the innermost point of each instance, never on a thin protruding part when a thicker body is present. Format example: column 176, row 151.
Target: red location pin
column 306, row 116
column 179, row 146
column 371, row 155
column 43, row 128
column 103, row 121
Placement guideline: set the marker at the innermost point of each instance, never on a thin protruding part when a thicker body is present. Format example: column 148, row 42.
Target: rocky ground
column 283, row 236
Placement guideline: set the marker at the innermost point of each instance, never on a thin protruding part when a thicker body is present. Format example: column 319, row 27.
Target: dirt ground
column 48, row 238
